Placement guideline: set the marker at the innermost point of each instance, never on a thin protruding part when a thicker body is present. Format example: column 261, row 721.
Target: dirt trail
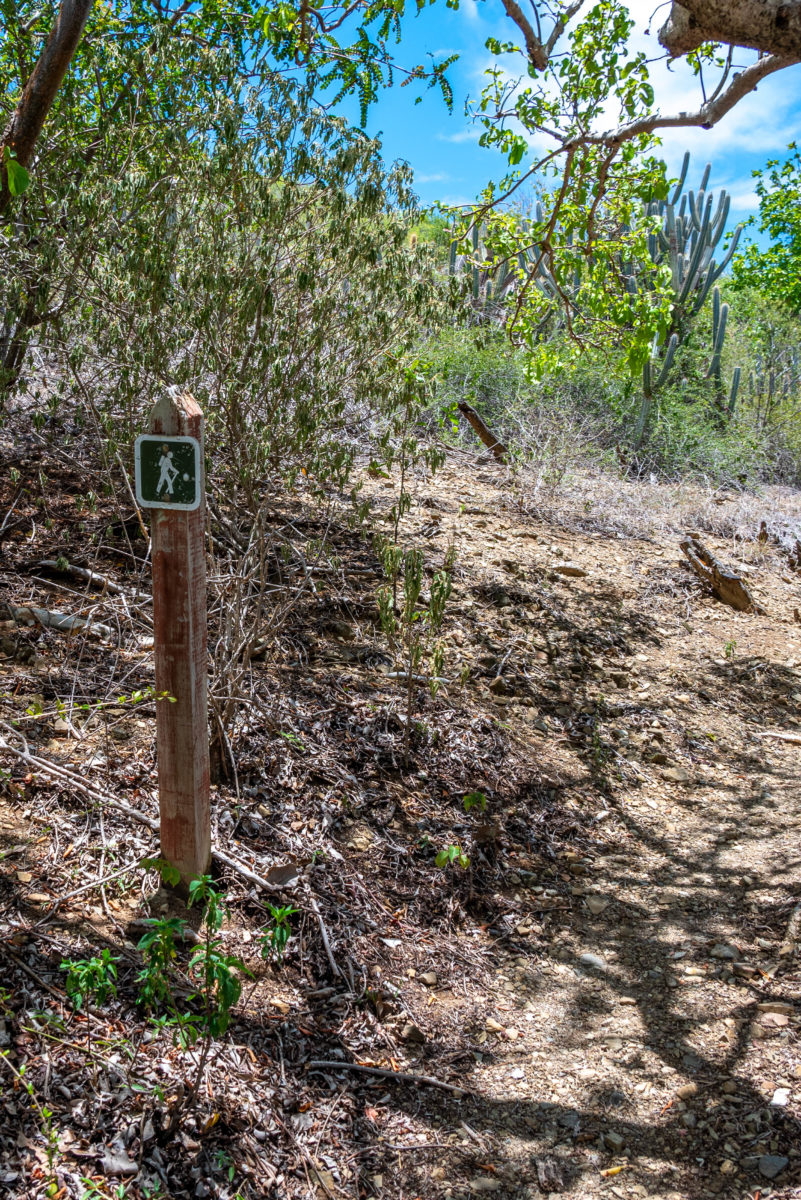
column 603, row 983
column 651, row 1026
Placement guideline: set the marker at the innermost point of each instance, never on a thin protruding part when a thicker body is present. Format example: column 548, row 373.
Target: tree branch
column 705, row 117
column 534, row 47
column 22, row 131
column 561, row 25
column 770, row 26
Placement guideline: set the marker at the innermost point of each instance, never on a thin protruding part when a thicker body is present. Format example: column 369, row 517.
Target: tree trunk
column 22, row 132
column 771, row 26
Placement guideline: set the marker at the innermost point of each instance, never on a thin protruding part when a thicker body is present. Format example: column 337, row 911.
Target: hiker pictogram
column 168, row 472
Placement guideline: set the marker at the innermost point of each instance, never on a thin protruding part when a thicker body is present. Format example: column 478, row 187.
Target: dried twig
column 324, row 934
column 793, row 932
column 385, row 1073
column 68, row 568
column 27, row 615
column 98, row 797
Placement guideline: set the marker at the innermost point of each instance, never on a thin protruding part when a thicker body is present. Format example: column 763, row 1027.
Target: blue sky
column 443, row 148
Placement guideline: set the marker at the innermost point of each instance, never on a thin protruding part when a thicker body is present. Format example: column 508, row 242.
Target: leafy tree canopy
column 776, row 271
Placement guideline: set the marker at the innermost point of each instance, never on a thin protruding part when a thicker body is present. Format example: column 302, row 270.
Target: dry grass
column 597, row 501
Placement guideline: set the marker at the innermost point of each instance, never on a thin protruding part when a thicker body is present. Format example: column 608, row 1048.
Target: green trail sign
column 168, row 472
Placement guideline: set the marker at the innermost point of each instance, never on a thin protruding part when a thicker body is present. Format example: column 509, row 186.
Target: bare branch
column 561, row 24
column 705, row 117
column 534, row 47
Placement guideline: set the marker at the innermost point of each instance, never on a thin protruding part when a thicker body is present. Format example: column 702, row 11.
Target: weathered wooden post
column 169, row 479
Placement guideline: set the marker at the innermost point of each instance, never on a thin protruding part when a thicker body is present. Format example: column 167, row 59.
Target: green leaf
column 18, row 177
column 517, row 151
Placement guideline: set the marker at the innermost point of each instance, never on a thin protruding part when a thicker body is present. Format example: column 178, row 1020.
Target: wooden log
column 728, row 587
column 180, row 633
column 484, row 432
column 64, row 622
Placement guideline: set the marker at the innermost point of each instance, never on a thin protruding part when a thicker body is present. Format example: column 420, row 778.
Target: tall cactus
column 493, row 279
column 689, row 230
column 686, row 241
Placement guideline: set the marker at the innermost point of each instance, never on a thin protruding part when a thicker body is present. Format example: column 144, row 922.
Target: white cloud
column 458, row 201
column 471, row 134
column 744, row 198
column 438, row 177
column 470, row 12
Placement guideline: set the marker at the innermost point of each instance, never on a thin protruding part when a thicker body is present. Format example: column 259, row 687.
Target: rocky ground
column 603, row 1000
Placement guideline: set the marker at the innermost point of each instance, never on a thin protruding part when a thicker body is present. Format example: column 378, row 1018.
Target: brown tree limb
column 704, row 117
column 770, row 26
column 723, row 583
column 535, row 50
column 22, row 132
column 484, row 432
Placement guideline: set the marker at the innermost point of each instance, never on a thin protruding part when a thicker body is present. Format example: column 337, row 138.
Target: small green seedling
column 158, row 949
column 169, row 874
column 91, row 978
column 729, row 648
column 452, row 855
column 216, row 973
column 275, row 935
column 475, row 800
column 293, row 739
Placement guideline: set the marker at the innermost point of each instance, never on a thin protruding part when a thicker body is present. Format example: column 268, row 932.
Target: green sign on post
column 168, row 473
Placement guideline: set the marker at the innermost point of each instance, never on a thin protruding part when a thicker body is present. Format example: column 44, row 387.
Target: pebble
column 721, row 950
column 771, row 1165
column 597, row 904
column 592, row 960
column 780, row 1098
column 493, row 1026
column 687, row 1090
column 569, row 569
column 676, row 775
column 429, row 978
column 615, row 1141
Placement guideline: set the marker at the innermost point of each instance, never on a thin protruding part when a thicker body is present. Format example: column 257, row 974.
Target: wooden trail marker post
column 169, row 479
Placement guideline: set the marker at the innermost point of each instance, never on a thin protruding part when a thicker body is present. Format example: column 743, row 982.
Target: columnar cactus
column 687, row 236
column 686, row 241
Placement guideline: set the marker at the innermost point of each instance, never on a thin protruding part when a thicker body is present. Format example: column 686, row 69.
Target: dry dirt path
column 634, row 1028
column 603, row 985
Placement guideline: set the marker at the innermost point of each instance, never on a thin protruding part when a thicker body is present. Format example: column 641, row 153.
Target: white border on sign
column 180, row 441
